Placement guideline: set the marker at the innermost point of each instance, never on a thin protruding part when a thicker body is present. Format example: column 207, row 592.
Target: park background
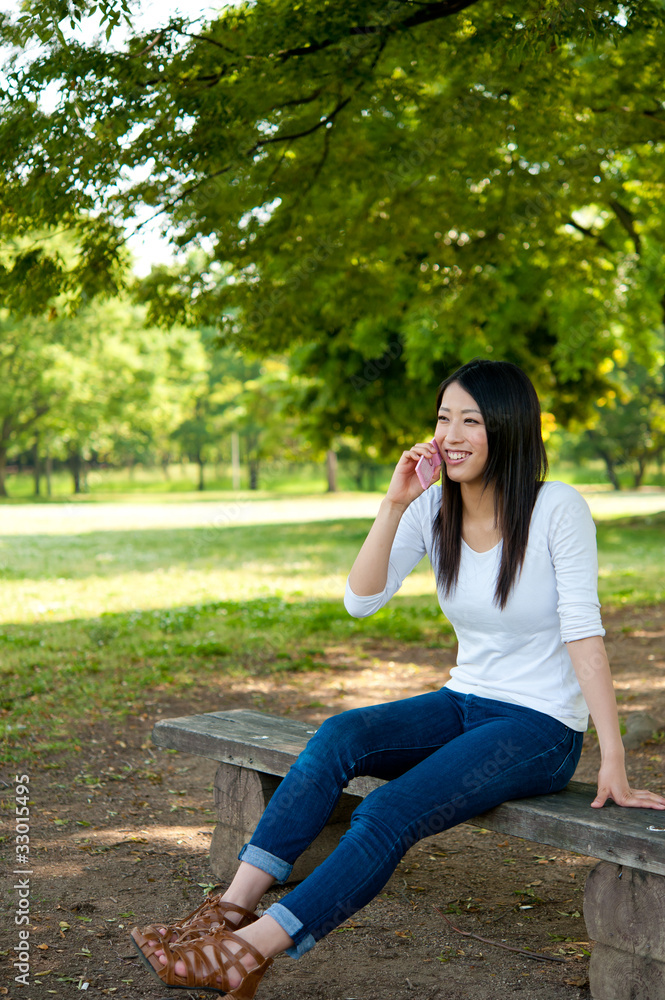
column 239, row 250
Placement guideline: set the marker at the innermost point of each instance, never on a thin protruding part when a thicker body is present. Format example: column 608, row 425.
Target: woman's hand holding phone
column 415, row 472
column 428, row 468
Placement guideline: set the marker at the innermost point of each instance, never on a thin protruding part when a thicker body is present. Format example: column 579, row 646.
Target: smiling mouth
column 457, row 456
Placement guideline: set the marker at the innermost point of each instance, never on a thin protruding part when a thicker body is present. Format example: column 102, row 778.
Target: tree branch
column 275, row 170
column 436, row 11
column 329, row 118
column 429, row 12
column 537, row 956
column 148, row 48
column 29, row 421
column 298, row 100
column 319, row 166
column 174, row 201
column 589, row 232
column 211, row 41
column 322, row 123
column 628, row 223
column 308, row 131
column 654, row 115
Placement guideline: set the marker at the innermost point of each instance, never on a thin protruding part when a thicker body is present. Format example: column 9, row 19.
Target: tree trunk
column 611, row 473
column 253, row 473
column 609, row 465
column 48, row 469
column 3, row 467
column 607, row 458
column 199, row 461
column 36, row 470
column 331, row 469
column 74, row 462
column 639, row 475
column 235, row 460
column 359, row 475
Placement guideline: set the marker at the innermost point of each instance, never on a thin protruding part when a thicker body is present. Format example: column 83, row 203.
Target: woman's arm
column 592, row 668
column 370, row 570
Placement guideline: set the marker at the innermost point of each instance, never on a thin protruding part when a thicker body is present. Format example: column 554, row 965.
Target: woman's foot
column 213, row 913
column 218, row 959
column 213, row 910
column 231, row 942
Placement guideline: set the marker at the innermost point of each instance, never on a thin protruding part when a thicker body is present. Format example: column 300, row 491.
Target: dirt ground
column 119, row 834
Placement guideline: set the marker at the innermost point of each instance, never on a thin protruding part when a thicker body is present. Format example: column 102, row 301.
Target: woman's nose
column 454, row 432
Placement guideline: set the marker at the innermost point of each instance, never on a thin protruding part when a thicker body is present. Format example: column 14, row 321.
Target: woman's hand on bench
column 613, row 784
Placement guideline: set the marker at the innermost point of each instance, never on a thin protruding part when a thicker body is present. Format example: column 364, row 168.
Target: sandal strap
column 210, row 897
column 207, row 957
column 213, row 910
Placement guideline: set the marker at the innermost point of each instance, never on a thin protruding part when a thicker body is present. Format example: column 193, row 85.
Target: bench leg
column 624, row 911
column 241, row 796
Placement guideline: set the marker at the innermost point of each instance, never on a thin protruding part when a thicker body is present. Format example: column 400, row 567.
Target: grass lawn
column 94, row 622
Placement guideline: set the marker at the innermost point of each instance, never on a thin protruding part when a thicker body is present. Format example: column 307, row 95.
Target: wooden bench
column 624, row 898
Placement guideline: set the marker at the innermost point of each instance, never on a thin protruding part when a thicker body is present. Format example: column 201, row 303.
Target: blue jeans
column 447, row 757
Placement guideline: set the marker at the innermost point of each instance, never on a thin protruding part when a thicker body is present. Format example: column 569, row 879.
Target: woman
column 515, row 560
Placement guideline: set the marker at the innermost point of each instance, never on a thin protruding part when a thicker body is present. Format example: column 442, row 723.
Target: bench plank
column 239, row 736
column 566, row 820
column 245, row 738
column 270, row 744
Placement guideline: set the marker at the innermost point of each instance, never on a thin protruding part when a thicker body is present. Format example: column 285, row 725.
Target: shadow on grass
column 630, row 559
column 630, row 553
column 326, row 546
column 58, row 676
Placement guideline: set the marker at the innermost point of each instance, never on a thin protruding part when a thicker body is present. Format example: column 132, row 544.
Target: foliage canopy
column 426, row 182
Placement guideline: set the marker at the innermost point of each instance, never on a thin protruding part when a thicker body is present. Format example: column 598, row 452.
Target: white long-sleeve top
column 517, row 655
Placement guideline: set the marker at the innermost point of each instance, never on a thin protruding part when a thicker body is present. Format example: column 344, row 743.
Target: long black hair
column 516, row 467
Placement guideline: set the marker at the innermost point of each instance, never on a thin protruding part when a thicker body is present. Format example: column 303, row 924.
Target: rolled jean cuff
column 268, row 863
column 293, row 927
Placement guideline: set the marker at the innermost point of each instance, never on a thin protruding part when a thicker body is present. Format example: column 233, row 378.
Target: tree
column 35, row 378
column 262, row 417
column 94, row 382
column 223, row 391
column 628, row 430
column 462, row 178
column 114, row 407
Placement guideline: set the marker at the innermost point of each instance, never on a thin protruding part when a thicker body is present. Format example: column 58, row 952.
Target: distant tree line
column 102, row 387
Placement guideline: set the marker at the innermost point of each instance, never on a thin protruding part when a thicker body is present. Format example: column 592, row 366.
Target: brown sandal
column 205, row 972
column 213, row 910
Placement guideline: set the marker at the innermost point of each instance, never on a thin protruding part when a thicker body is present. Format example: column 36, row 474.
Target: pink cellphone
column 427, row 467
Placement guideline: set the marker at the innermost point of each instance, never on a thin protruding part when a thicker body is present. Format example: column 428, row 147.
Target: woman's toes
column 234, row 977
column 160, row 955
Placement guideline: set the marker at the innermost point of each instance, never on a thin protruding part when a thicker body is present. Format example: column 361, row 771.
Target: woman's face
column 461, row 436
